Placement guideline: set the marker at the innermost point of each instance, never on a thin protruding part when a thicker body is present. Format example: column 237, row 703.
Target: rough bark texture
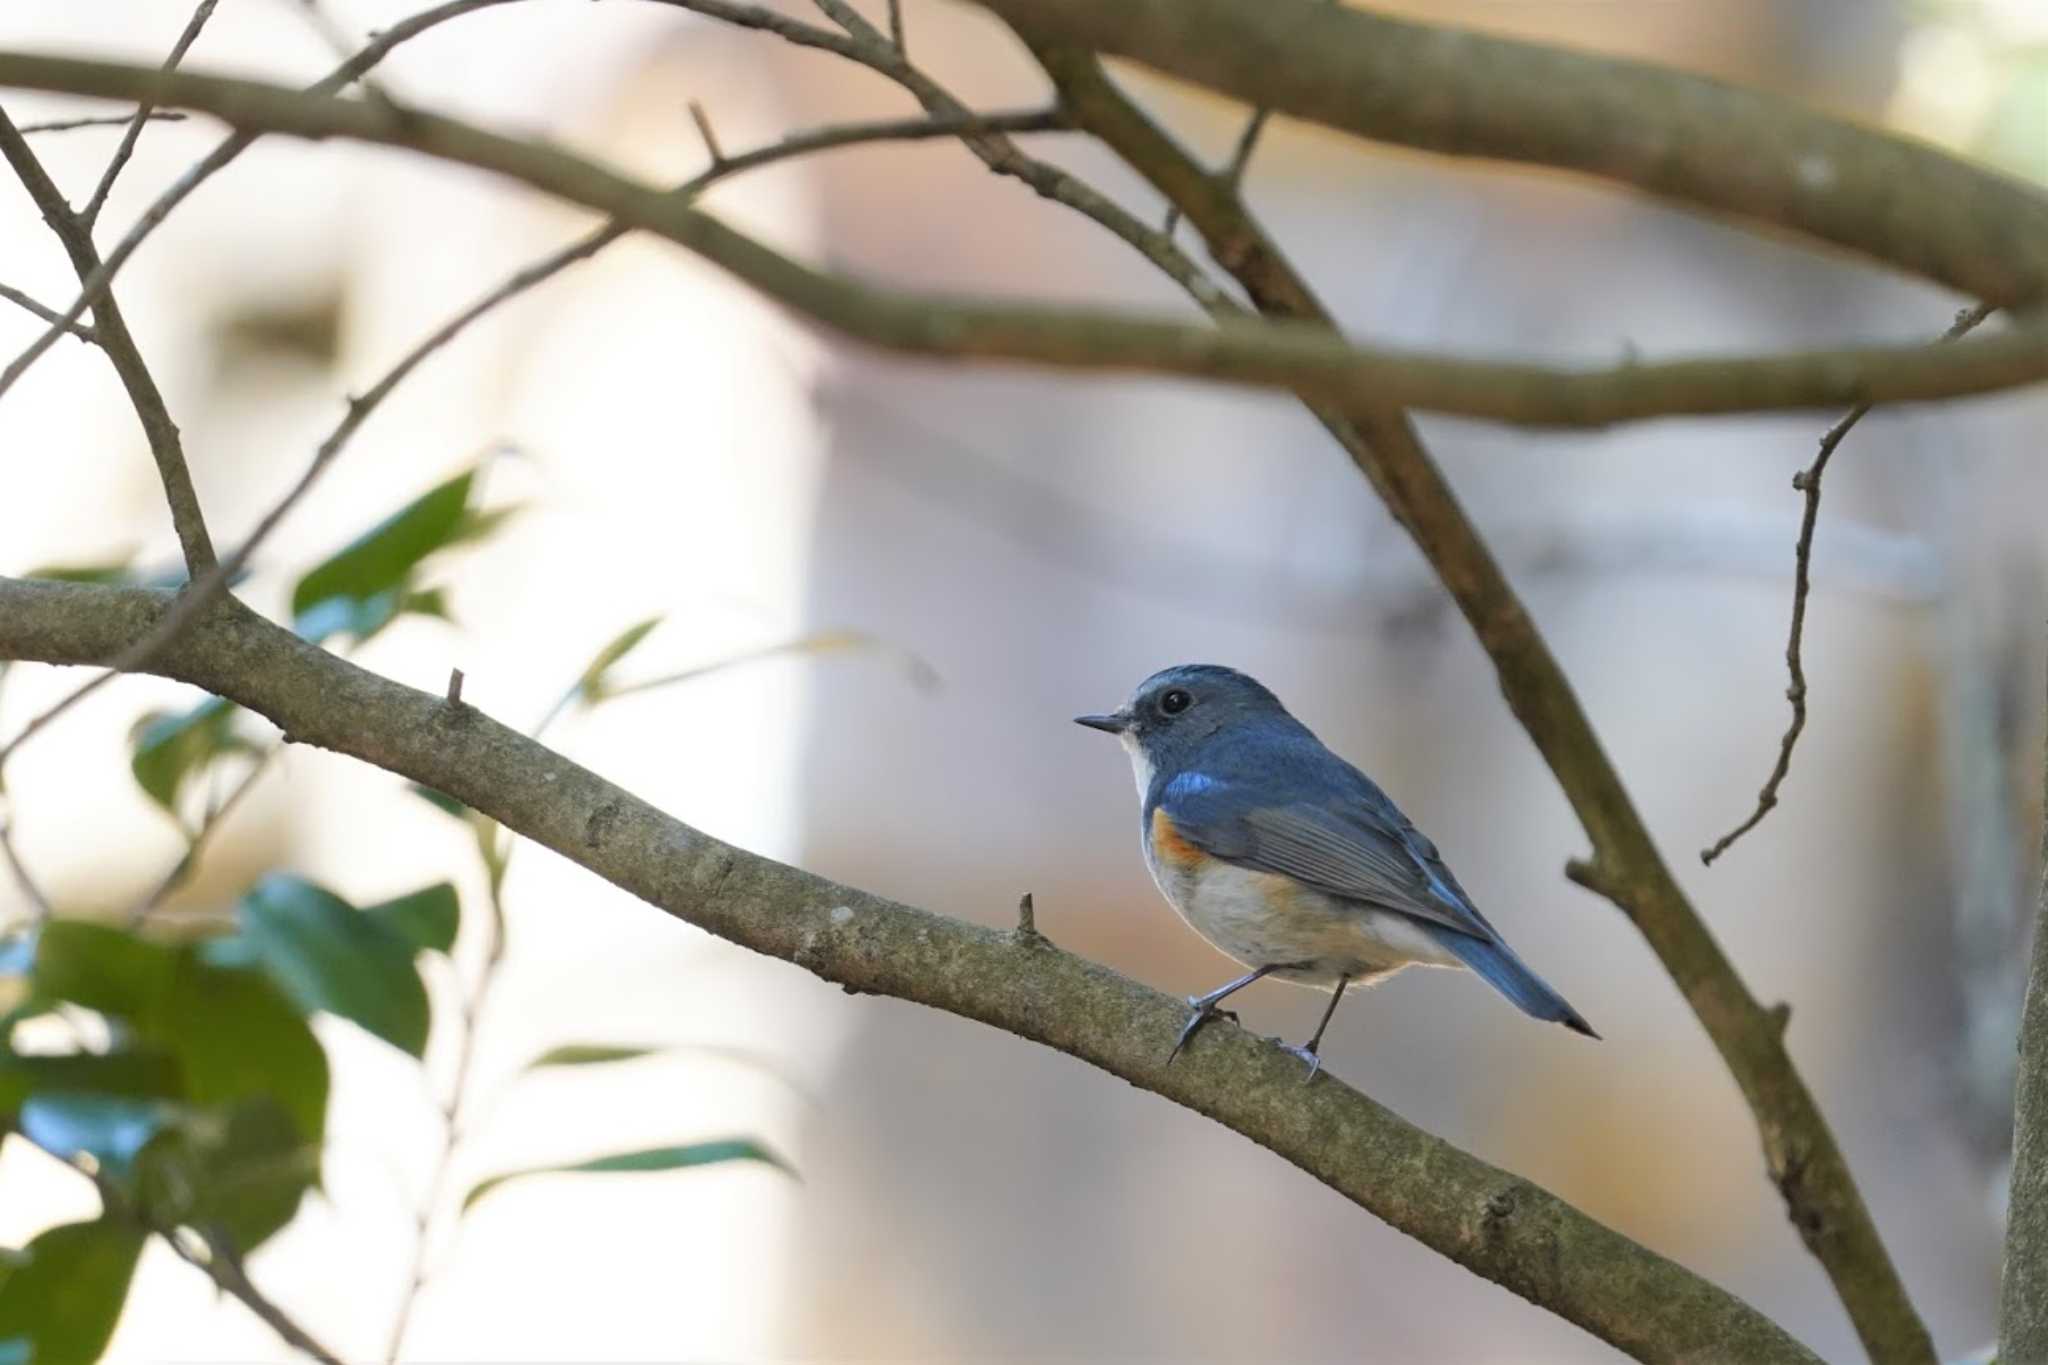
column 1493, row 1223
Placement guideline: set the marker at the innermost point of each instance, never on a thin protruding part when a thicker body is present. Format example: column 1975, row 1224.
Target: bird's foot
column 1202, row 1015
column 1307, row 1054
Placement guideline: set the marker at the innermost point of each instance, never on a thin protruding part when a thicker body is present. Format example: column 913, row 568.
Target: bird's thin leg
column 1204, row 1006
column 1308, row 1054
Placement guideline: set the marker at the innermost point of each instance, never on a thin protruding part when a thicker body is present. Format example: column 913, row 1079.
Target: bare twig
column 230, row 147
column 703, row 122
column 65, row 125
column 215, row 817
column 1807, row 482
column 39, row 904
column 1234, row 169
column 165, row 445
column 455, row 687
column 43, row 311
column 90, row 214
column 896, row 26
column 215, row 1257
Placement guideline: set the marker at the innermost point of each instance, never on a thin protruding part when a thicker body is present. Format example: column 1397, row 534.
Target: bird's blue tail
column 1509, row 975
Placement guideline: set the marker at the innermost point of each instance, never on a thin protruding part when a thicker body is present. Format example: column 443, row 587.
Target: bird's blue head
column 1173, row 712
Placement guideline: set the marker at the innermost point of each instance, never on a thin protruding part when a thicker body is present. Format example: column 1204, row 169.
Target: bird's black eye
column 1175, row 702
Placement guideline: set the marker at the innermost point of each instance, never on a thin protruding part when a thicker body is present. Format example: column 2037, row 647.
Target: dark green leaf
column 587, row 1054
column 440, row 801
column 145, row 1073
column 427, row 919
column 244, row 1170
column 329, row 956
column 652, row 1159
column 111, row 1129
column 102, row 968
column 236, row 1036
column 362, row 587
column 65, row 1299
column 172, row 747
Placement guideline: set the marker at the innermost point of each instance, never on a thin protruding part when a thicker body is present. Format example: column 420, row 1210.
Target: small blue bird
column 1289, row 859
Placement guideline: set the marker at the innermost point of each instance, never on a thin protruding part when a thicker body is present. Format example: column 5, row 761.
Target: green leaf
column 111, row 1129
column 244, row 1169
column 116, row 573
column 440, row 801
column 103, row 968
column 236, row 1036
column 428, row 919
column 65, row 1299
column 652, row 1159
column 173, row 746
column 329, row 956
column 588, row 1054
column 144, row 1073
column 368, row 583
column 593, row 682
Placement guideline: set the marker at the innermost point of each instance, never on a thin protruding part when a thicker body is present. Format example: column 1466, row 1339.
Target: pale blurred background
column 1042, row 542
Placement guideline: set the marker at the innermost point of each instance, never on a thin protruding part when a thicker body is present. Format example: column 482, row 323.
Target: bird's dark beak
column 1113, row 724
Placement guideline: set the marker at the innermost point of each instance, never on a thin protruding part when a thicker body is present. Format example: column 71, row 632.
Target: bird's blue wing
column 1360, row 848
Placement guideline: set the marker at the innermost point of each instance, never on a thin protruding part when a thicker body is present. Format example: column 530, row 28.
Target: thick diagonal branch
column 1493, row 1223
column 1801, row 1152
column 2023, row 1297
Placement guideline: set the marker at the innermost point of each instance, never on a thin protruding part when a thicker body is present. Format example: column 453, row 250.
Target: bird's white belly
column 1262, row 918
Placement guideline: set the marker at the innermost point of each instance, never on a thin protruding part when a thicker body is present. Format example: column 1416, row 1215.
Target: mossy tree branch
column 1493, row 1223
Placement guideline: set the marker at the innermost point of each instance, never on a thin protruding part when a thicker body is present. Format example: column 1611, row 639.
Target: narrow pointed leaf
column 588, row 1054
column 329, row 956
column 368, row 583
column 652, row 1159
column 594, row 682
column 440, row 801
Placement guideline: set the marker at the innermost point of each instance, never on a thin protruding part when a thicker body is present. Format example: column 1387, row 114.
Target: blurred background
column 1041, row 543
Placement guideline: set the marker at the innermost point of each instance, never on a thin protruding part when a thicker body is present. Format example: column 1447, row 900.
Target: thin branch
column 1691, row 139
column 200, row 837
column 1303, row 357
column 703, row 122
column 66, row 125
column 1004, row 157
column 96, row 286
column 896, row 26
column 218, row 1261
column 201, row 594
column 43, row 311
column 1233, row 169
column 90, row 214
column 455, row 1117
column 1491, row 1222
column 1807, row 482
column 1800, row 1151
column 165, row 445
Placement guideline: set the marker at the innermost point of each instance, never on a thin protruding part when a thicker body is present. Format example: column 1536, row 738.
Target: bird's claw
column 1201, row 1016
column 1307, row 1054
